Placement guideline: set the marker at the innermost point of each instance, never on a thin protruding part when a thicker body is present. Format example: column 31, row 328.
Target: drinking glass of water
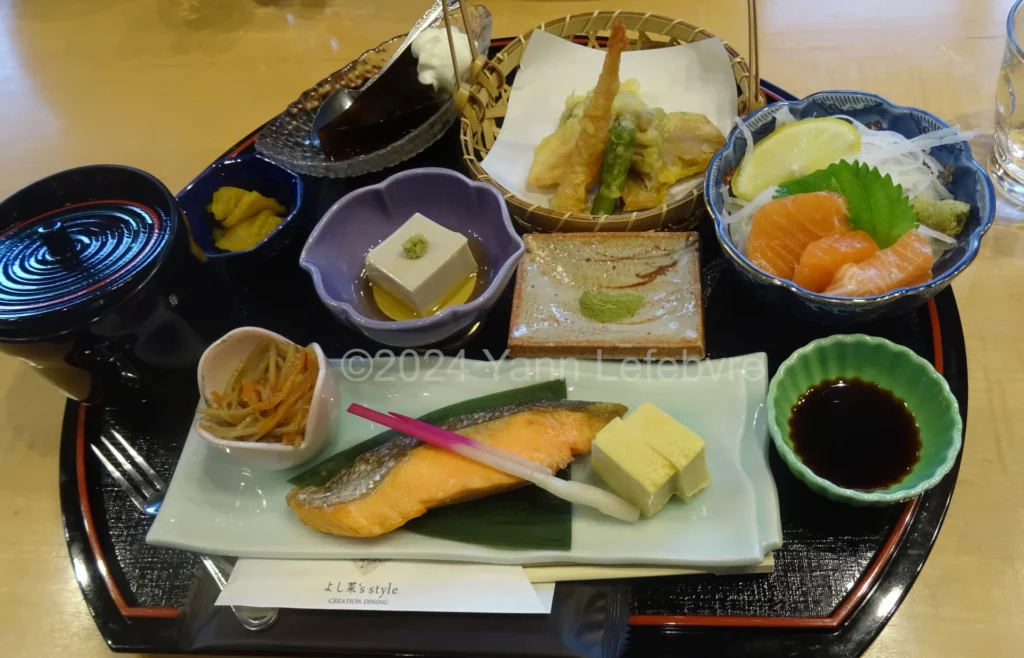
column 1007, row 163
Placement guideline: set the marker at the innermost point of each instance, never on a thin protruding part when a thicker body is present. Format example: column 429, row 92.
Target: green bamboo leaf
column 524, row 519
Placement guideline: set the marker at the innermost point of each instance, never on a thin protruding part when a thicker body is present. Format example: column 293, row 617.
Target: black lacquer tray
column 838, row 578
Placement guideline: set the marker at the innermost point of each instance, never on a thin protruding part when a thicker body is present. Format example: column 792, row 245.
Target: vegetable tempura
column 667, row 147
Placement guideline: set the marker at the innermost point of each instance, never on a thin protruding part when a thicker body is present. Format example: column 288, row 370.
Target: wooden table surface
column 167, row 85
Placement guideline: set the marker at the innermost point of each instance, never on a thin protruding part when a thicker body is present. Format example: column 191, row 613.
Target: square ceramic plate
column 662, row 268
column 218, row 506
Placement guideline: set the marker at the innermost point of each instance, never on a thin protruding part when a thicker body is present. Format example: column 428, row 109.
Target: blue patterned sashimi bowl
column 967, row 181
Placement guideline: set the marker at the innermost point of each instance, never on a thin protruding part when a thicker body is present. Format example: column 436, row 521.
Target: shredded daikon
column 740, row 214
column 783, row 117
column 939, row 241
column 908, row 161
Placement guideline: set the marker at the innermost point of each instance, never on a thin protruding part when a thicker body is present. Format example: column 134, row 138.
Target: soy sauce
column 855, row 434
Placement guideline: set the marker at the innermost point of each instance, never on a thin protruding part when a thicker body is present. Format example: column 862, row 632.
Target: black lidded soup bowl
column 94, row 262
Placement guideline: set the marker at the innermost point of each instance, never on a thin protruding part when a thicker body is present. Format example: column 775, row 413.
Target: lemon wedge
column 792, row 151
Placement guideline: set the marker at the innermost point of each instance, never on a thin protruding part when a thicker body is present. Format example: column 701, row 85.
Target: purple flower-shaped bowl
column 336, row 250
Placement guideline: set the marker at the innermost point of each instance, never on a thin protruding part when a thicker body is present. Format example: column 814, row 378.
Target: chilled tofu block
column 422, row 264
column 631, row 468
column 677, row 443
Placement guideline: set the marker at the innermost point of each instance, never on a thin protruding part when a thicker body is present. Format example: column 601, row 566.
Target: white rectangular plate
column 217, row 506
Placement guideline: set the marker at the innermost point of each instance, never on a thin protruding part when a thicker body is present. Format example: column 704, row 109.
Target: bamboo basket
column 487, row 103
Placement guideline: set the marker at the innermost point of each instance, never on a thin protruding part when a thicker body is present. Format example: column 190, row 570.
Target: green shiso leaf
column 816, row 181
column 877, row 205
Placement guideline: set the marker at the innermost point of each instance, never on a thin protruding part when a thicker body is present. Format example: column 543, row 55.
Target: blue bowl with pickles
column 251, row 173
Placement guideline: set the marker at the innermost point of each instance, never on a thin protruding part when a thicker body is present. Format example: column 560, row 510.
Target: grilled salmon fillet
column 402, row 479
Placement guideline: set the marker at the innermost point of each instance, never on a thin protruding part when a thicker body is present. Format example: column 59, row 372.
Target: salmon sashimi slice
column 781, row 229
column 908, row 262
column 823, row 258
column 402, row 479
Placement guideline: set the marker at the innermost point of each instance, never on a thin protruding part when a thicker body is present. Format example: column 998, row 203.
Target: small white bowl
column 215, row 367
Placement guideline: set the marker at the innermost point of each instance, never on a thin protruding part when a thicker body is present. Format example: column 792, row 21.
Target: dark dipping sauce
column 855, row 434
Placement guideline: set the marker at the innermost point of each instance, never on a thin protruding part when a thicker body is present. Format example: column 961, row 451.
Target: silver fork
column 148, row 493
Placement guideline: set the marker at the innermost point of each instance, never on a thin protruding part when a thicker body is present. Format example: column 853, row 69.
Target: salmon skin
column 396, row 482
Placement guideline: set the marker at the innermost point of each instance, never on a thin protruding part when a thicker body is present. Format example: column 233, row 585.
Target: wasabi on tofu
column 415, row 247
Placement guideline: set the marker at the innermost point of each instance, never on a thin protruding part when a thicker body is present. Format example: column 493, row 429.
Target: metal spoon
column 339, row 101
